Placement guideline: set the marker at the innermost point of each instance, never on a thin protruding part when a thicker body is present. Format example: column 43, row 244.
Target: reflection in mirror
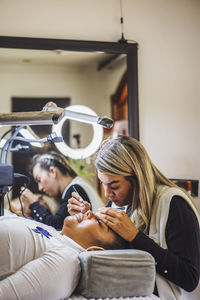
column 84, row 72
column 80, row 134
column 115, row 49
column 86, row 78
column 96, row 138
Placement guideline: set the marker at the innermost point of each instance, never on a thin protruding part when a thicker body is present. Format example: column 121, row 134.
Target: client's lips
column 79, row 217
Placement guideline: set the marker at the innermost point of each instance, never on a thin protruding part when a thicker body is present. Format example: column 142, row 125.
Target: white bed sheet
column 78, row 297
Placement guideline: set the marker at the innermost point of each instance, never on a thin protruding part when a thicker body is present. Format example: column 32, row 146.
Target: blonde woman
column 160, row 217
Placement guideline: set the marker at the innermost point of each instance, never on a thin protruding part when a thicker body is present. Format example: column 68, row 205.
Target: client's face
column 87, row 230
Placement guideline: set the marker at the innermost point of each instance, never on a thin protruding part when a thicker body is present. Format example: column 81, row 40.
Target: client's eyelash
column 99, row 222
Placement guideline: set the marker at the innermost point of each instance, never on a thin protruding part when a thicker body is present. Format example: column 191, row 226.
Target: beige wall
column 167, row 32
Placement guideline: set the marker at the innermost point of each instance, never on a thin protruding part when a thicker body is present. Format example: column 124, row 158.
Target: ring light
column 80, row 152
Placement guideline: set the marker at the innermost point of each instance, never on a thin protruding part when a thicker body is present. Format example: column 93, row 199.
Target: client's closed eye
column 99, row 222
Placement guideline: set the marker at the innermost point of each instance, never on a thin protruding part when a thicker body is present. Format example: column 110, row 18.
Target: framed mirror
column 79, row 72
column 97, row 68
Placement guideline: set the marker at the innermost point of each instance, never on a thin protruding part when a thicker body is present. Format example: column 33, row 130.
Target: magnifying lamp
column 84, row 114
column 51, row 114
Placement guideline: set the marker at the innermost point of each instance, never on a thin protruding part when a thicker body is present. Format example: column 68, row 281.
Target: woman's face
column 116, row 188
column 46, row 180
column 87, row 230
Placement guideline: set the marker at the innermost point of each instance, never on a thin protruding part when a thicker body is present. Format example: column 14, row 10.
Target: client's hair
column 117, row 243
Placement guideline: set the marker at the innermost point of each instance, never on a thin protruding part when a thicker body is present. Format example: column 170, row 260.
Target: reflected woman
column 57, row 179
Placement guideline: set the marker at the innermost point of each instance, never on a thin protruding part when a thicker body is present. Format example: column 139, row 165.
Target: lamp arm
column 32, row 117
column 82, row 117
column 51, row 117
column 10, row 143
column 50, row 138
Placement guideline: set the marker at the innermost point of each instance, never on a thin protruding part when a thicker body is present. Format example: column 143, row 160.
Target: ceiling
column 58, row 57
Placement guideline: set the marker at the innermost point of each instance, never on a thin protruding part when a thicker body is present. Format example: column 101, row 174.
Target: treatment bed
column 127, row 274
column 116, row 275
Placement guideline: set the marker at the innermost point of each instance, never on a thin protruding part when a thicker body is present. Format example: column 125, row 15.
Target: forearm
column 52, row 276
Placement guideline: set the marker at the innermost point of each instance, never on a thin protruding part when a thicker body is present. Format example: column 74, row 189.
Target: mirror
column 87, row 72
column 83, row 72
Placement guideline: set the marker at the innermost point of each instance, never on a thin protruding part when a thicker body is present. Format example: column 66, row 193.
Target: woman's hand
column 27, row 196
column 77, row 205
column 118, row 221
column 15, row 207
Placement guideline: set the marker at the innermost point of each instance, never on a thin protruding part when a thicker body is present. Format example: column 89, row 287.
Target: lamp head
column 105, row 122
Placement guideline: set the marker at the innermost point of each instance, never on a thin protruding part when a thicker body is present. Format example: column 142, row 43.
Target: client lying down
column 38, row 262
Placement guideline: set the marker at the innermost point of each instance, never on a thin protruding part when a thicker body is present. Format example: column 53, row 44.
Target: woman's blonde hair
column 127, row 157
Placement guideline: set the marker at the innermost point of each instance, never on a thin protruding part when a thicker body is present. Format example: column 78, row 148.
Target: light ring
column 89, row 150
